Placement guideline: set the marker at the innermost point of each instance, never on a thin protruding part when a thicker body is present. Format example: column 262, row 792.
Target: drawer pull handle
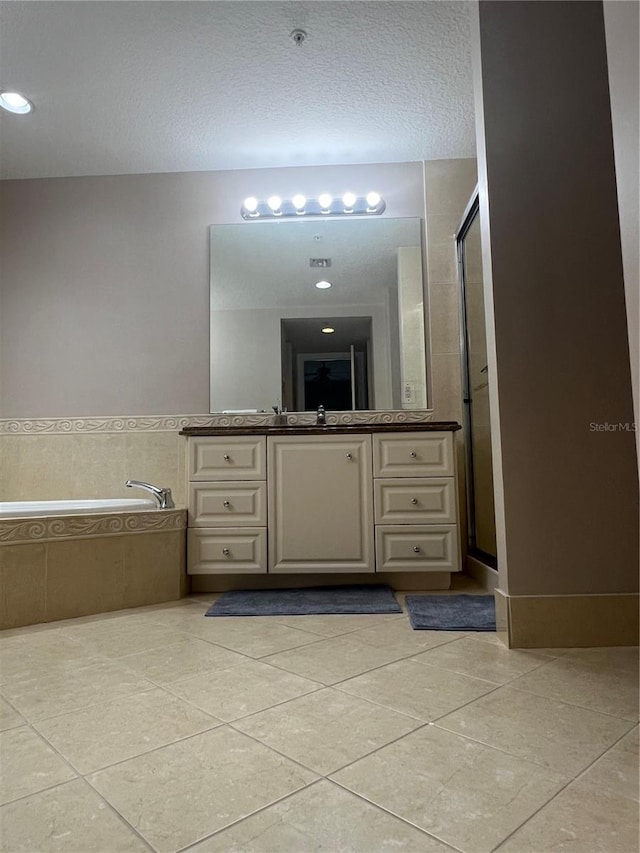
column 416, row 548
column 226, row 457
column 414, row 501
column 349, row 456
column 226, row 504
column 226, row 552
column 413, row 454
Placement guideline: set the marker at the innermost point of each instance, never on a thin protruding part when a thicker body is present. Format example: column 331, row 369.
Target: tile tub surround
column 62, row 567
column 157, row 728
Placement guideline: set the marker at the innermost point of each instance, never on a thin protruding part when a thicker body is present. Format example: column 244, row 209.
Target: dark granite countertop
column 327, row 429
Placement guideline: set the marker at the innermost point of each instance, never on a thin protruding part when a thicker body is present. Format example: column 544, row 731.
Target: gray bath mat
column 305, row 602
column 452, row 612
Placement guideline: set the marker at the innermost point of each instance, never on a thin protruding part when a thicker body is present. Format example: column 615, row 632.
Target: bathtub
column 64, row 559
column 26, row 509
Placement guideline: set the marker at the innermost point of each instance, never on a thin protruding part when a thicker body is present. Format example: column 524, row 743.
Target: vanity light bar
column 371, row 204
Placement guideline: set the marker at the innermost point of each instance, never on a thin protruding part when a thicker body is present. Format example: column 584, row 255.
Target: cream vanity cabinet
column 341, row 501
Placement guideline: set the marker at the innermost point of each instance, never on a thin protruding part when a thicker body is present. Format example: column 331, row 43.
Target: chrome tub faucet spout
column 321, row 416
column 163, row 496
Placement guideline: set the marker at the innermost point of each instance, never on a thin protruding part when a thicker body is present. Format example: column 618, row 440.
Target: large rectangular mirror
column 268, row 314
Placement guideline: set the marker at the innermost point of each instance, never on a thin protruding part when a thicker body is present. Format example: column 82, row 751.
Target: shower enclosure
column 475, row 389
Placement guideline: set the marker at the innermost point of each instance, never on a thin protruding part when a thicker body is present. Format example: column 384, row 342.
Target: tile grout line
column 560, row 791
column 145, row 689
column 437, row 723
column 501, row 683
column 429, row 722
column 397, row 816
column 305, row 788
column 363, row 672
column 79, row 776
column 251, row 814
column 633, row 721
column 190, row 702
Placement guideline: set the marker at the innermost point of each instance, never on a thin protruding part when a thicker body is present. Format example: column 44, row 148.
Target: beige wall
column 448, row 188
column 105, row 281
column 622, row 24
column 567, row 508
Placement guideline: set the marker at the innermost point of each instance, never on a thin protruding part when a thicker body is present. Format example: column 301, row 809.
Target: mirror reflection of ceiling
column 142, row 87
column 306, row 334
column 267, row 264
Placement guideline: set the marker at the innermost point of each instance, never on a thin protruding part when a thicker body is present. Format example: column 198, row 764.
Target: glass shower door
column 477, row 424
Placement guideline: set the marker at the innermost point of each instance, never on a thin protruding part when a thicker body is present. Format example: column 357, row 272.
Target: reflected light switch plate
column 409, row 392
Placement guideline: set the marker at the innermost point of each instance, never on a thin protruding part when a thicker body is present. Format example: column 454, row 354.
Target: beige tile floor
column 158, row 729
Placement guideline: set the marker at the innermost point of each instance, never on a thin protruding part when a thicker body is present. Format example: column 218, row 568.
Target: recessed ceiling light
column 323, row 285
column 328, row 330
column 13, row 102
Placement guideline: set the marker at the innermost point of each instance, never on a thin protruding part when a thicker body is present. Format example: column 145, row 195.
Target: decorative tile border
column 343, row 418
column 125, row 423
column 40, row 529
column 173, row 423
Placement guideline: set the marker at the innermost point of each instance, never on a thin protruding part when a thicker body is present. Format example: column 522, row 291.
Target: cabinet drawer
column 417, row 549
column 237, row 503
column 409, row 501
column 421, row 454
column 234, row 458
column 227, row 550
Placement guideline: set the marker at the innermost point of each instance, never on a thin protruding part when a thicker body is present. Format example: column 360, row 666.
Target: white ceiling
column 135, row 87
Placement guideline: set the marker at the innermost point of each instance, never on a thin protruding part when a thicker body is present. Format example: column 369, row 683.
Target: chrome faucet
column 322, row 415
column 280, row 418
column 163, row 496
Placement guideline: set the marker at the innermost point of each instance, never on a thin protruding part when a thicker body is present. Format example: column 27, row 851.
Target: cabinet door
column 320, row 504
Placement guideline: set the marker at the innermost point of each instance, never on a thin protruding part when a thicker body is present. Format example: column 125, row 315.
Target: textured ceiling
column 134, row 87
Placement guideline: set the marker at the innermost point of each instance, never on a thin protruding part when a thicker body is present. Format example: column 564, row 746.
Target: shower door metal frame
column 471, row 211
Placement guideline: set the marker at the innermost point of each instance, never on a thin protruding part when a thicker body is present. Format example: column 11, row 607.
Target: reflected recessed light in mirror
column 323, row 285
column 328, row 330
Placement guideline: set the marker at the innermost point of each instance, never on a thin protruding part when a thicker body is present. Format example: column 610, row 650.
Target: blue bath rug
column 452, row 612
column 306, row 602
